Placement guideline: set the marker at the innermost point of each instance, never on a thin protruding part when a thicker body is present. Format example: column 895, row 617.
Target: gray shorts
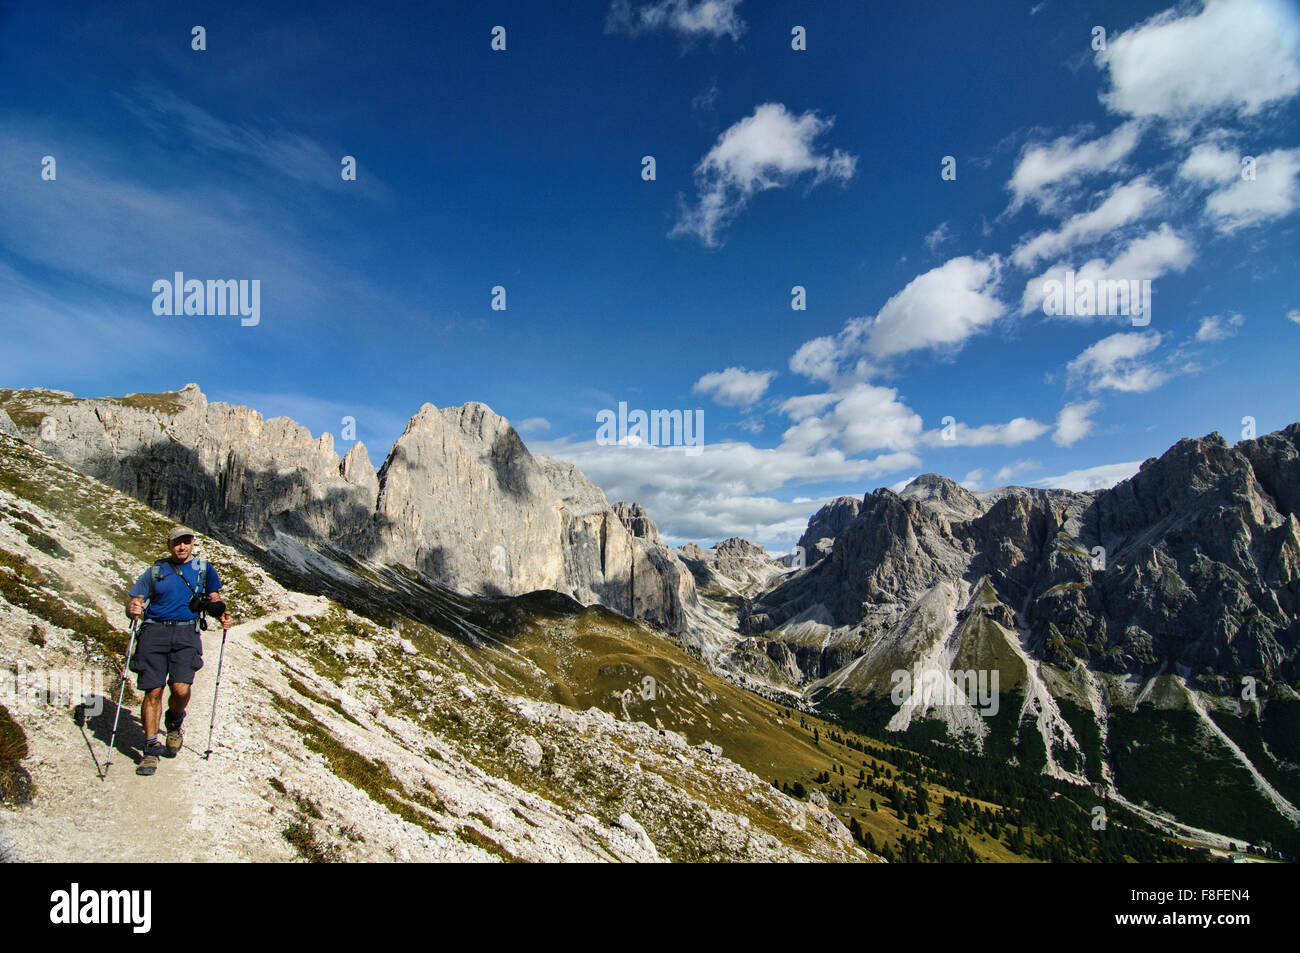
column 166, row 654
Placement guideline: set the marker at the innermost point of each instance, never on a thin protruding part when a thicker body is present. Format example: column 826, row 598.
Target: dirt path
column 192, row 809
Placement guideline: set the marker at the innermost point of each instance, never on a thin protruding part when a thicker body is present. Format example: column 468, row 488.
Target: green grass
column 472, row 835
column 167, row 403
column 329, row 703
column 372, row 777
column 20, row 405
column 303, row 839
column 21, row 584
column 14, row 782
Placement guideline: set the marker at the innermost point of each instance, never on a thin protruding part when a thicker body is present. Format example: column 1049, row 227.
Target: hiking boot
column 153, row 750
column 175, row 741
column 148, row 764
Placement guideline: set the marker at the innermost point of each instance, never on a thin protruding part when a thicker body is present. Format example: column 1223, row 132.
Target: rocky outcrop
column 826, row 524
column 459, row 499
column 638, row 523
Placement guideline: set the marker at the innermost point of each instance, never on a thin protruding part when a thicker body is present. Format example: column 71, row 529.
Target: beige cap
column 177, row 532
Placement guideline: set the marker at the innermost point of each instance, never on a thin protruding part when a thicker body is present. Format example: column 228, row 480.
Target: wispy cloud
column 1218, row 328
column 268, row 147
column 1045, row 170
column 771, row 149
column 735, row 386
column 1147, row 257
column 1101, row 477
column 1114, row 363
column 1124, row 204
column 688, row 18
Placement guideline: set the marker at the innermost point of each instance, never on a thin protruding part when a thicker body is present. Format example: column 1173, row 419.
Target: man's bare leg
column 180, row 698
column 151, row 711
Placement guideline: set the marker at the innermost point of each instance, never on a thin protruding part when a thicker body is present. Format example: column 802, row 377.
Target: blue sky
column 775, row 168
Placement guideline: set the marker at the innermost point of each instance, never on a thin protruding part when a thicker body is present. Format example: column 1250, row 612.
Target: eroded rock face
column 459, row 499
column 1191, row 565
column 826, row 524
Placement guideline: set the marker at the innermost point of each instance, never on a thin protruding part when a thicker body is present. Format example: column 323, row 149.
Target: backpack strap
column 155, row 573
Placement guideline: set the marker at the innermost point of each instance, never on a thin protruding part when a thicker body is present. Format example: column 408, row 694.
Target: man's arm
column 135, row 604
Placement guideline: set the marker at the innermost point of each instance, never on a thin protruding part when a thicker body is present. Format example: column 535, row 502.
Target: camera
column 204, row 608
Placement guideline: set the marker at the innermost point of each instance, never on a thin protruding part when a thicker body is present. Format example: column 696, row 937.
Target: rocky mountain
column 1164, row 606
column 733, row 566
column 459, row 499
column 1190, row 565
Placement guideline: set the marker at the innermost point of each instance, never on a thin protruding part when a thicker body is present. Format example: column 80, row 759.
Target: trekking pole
column 112, row 741
column 216, row 688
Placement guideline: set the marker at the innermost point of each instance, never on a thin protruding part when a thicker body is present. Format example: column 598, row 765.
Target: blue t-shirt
column 171, row 599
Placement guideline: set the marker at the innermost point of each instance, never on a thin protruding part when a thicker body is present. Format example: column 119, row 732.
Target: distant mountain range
column 1141, row 640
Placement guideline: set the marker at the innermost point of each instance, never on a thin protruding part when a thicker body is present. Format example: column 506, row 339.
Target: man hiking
column 169, row 650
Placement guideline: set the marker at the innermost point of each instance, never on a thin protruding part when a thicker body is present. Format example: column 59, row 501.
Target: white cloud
column 1232, row 55
column 864, row 417
column 533, row 425
column 817, row 359
column 972, row 480
column 938, row 309
column 1207, row 164
column 1092, row 478
column 1147, row 257
column 1214, row 328
column 770, row 149
column 1272, row 194
column 1015, row 431
column 1044, row 170
column 1074, row 422
column 1113, row 364
column 1125, row 203
column 941, row 234
column 734, row 387
column 724, row 491
column 1293, row 315
column 713, row 18
column 797, row 408
column 1014, row 469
